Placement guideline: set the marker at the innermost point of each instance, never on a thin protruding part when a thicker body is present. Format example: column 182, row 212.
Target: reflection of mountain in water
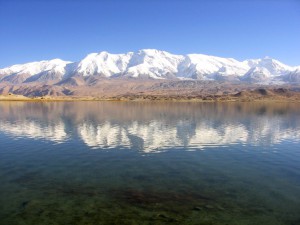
column 33, row 129
column 158, row 135
column 151, row 127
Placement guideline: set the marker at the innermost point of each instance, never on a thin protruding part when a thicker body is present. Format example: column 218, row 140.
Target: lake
column 88, row 163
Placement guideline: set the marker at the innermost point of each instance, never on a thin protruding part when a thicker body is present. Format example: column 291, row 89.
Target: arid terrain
column 147, row 89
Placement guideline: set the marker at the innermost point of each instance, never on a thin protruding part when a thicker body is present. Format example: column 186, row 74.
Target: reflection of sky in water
column 150, row 128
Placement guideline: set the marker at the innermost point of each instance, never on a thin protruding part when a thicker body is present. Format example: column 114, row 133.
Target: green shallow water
column 149, row 163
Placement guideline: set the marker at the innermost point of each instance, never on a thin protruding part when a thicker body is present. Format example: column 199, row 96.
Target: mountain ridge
column 152, row 64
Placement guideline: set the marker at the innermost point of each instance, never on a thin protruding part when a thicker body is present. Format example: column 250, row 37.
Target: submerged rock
column 197, row 208
column 24, row 204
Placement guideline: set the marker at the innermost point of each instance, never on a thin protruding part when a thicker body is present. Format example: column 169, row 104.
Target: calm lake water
column 90, row 163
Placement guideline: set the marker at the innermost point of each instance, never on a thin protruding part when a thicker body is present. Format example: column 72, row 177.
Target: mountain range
column 150, row 64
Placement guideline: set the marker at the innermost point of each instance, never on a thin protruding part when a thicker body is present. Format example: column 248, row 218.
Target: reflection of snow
column 157, row 135
column 32, row 129
column 206, row 136
column 271, row 131
column 104, row 135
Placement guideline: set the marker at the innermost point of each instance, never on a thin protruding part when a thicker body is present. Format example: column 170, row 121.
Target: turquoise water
column 93, row 163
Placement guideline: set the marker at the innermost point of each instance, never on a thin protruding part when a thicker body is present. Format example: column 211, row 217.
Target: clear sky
column 33, row 30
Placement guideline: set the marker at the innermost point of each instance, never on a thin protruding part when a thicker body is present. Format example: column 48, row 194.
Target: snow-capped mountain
column 35, row 71
column 274, row 67
column 102, row 64
column 293, row 76
column 154, row 64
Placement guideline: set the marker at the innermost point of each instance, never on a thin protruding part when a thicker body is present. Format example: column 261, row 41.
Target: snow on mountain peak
column 33, row 68
column 273, row 66
column 102, row 63
column 150, row 63
column 257, row 74
column 196, row 65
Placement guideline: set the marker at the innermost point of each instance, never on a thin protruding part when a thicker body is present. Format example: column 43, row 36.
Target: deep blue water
column 149, row 163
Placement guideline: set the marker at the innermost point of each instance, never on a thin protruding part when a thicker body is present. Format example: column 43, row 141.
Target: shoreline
column 150, row 98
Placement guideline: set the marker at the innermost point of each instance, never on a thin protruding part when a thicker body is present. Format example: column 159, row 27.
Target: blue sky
column 33, row 30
